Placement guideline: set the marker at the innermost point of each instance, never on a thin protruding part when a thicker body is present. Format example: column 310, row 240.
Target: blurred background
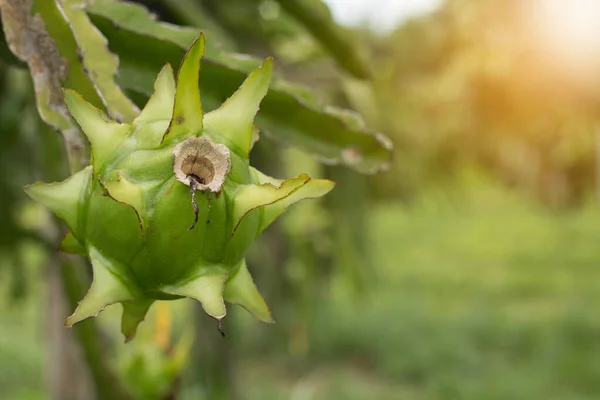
column 469, row 270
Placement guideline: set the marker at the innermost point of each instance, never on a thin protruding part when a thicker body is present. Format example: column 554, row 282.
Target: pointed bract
column 64, row 198
column 311, row 189
column 207, row 289
column 125, row 191
column 187, row 111
column 71, row 245
column 107, row 288
column 104, row 135
column 154, row 119
column 240, row 289
column 160, row 105
column 253, row 196
column 134, row 313
column 234, row 119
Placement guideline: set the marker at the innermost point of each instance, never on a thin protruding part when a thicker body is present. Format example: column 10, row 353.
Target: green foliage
column 496, row 296
column 288, row 113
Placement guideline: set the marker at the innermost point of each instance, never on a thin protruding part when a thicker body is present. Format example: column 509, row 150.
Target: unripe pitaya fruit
column 169, row 205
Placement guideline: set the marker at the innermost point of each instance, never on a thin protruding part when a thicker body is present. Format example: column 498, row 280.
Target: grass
column 478, row 294
column 483, row 297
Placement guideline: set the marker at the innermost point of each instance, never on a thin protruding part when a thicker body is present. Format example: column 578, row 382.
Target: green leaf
column 287, row 113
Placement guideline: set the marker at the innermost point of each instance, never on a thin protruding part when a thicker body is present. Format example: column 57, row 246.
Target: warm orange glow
column 568, row 32
column 570, row 26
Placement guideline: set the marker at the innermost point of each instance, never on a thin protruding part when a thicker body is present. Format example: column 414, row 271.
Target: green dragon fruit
column 170, row 205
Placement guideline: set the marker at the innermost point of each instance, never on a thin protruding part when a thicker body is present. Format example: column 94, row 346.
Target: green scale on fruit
column 170, row 204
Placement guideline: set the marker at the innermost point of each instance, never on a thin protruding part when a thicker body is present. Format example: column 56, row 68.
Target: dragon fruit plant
column 170, row 204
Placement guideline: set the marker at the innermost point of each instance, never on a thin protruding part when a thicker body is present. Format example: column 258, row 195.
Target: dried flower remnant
column 201, row 163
